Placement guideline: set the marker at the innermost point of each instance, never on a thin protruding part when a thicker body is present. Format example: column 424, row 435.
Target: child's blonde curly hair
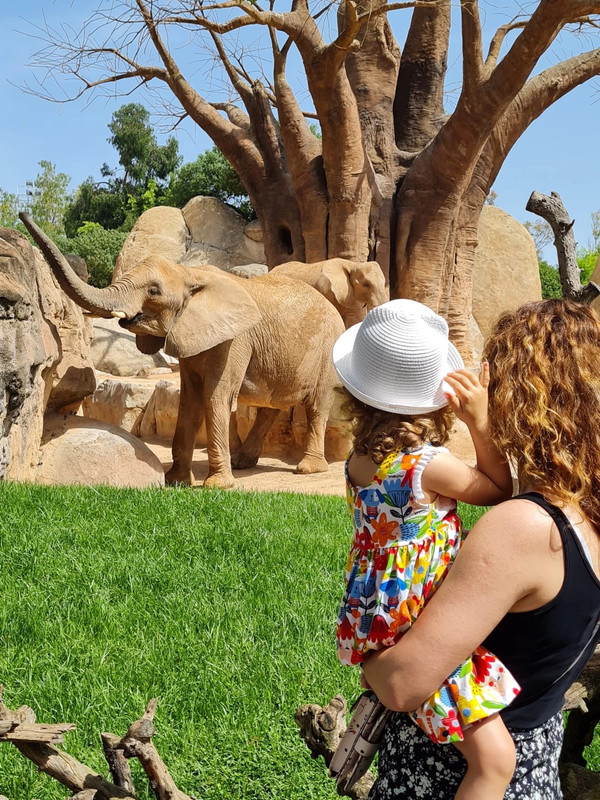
column 544, row 399
column 378, row 433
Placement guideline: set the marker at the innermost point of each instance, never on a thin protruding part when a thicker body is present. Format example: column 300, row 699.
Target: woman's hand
column 469, row 398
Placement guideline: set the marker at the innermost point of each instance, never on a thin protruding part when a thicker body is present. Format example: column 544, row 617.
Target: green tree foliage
column 211, row 175
column 586, row 261
column 98, row 247
column 50, row 199
column 118, row 200
column 9, row 209
column 140, row 155
column 550, row 280
column 93, row 202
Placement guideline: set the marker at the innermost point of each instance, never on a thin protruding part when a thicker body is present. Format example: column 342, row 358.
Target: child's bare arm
column 490, row 482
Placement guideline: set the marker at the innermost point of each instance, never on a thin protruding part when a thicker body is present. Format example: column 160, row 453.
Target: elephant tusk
column 118, row 314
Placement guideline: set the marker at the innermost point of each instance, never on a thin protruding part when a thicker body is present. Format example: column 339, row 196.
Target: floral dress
column 402, row 548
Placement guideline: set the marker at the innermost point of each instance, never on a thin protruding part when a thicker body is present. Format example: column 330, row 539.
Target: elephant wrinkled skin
column 354, row 287
column 265, row 342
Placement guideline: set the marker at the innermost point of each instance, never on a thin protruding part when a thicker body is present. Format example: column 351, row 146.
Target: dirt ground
column 270, row 475
column 275, row 475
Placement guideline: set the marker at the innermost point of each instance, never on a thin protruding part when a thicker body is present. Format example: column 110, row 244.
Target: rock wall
column 44, row 354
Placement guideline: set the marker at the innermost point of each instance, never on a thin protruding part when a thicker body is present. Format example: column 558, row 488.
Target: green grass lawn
column 220, row 604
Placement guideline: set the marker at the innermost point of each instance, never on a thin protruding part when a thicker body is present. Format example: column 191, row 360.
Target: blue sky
column 559, row 152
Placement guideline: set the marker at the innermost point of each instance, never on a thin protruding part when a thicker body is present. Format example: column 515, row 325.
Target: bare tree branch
column 472, row 47
column 553, row 211
column 535, row 97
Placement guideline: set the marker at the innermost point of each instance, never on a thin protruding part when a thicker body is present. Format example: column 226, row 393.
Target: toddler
column 405, row 380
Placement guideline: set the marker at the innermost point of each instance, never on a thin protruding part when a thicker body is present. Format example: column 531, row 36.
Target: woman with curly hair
column 525, row 583
column 403, row 380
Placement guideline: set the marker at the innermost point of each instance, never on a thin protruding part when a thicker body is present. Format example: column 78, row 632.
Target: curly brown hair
column 544, row 399
column 377, row 433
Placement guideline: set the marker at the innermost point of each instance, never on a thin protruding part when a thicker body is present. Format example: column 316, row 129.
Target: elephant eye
column 153, row 290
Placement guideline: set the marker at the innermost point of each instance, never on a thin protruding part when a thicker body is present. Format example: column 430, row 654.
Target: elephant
column 266, row 342
column 354, row 287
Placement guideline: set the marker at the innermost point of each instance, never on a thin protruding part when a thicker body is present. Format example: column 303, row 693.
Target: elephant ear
column 218, row 310
column 380, row 290
column 148, row 344
column 334, row 280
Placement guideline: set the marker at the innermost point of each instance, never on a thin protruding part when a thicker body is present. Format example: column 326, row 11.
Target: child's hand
column 363, row 681
column 470, row 399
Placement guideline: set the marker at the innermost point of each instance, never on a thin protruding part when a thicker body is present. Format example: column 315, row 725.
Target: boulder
column 114, row 351
column 44, row 353
column 77, row 450
column 219, row 235
column 249, row 270
column 159, row 417
column 158, row 231
column 205, row 231
column 118, row 402
column 506, row 273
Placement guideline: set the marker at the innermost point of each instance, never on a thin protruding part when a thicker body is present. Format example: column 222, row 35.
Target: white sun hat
column 397, row 357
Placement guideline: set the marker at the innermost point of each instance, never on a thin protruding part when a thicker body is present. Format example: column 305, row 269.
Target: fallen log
column 37, row 742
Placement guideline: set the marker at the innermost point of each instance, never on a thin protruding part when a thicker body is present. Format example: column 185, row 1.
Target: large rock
column 114, row 351
column 205, row 231
column 158, row 231
column 44, row 353
column 506, row 268
column 77, row 450
column 219, row 235
column 119, row 402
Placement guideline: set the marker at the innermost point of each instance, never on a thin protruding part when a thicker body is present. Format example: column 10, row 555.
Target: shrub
column 98, row 247
column 550, row 280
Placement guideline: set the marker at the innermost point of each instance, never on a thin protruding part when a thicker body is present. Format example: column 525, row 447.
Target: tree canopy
column 393, row 176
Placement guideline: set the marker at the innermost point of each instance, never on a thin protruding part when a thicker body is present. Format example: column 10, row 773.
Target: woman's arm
column 503, row 560
column 490, row 482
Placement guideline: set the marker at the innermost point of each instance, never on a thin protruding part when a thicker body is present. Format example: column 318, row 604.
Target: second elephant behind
column 353, row 287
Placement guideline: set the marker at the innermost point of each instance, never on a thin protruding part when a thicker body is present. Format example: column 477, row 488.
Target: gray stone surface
column 114, row 351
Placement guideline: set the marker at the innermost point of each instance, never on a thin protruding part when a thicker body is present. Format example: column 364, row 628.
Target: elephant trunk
column 101, row 302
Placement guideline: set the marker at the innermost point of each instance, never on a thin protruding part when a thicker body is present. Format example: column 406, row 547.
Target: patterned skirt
column 412, row 767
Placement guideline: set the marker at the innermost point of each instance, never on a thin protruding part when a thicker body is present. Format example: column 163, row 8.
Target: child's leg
column 490, row 754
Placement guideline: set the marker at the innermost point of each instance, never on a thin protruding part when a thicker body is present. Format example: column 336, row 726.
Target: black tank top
column 546, row 649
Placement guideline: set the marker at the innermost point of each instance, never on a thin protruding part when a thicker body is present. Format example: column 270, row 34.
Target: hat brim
column 342, row 361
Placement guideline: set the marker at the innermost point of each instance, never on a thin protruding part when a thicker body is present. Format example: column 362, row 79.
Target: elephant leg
column 218, row 417
column 189, row 420
column 225, row 370
column 235, row 443
column 248, row 454
column 317, row 411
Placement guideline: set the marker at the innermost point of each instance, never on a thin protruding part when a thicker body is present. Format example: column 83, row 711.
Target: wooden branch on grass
column 37, row 743
column 553, row 211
